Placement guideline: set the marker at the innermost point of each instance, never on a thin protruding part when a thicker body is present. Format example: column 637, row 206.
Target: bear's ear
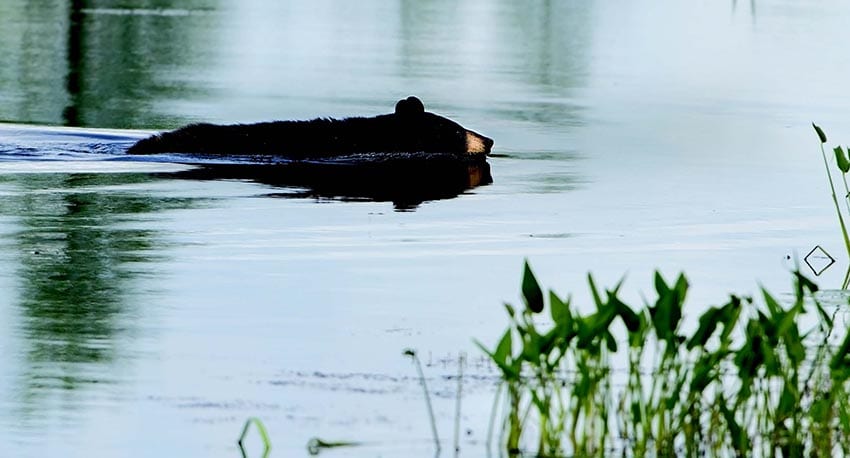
column 409, row 106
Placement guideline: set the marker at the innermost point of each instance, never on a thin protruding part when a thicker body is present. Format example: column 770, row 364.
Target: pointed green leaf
column 772, row 304
column 504, row 349
column 616, row 288
column 730, row 315
column 629, row 317
column 595, row 292
column 666, row 315
column 660, row 285
column 681, row 287
column 821, row 135
column 559, row 309
column 531, row 292
column 509, row 372
column 841, row 159
column 707, row 325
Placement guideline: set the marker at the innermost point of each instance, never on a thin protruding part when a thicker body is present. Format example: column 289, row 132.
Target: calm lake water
column 147, row 312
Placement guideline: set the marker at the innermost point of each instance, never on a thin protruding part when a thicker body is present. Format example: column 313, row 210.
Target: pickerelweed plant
column 749, row 381
column 843, row 165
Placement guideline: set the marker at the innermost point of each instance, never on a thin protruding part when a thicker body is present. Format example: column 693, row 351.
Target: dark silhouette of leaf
column 821, row 135
column 531, row 292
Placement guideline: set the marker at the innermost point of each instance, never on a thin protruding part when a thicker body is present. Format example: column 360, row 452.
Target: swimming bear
column 410, row 129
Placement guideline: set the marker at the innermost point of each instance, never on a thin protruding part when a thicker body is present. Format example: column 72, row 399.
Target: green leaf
column 629, row 317
column 804, row 283
column 595, row 292
column 559, row 309
column 707, row 325
column 821, row 407
column 703, row 374
column 821, row 135
column 730, row 315
column 772, row 304
column 740, row 437
column 509, row 372
column 660, row 285
column 795, row 350
column 531, row 348
column 666, row 315
column 538, row 402
column 637, row 338
column 844, row 417
column 788, row 402
column 547, row 342
column 841, row 159
column 636, row 416
column 681, row 287
column 531, row 292
column 751, row 355
column 504, row 349
column 610, row 341
column 586, row 331
column 840, row 362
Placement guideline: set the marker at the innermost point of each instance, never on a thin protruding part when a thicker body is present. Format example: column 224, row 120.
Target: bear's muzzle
column 477, row 143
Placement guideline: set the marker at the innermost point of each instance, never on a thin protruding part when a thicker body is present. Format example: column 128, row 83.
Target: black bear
column 410, row 129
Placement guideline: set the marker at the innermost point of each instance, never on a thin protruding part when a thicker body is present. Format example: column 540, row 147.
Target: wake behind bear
column 410, row 129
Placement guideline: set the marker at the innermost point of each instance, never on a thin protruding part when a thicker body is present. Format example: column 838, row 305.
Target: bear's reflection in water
column 405, row 179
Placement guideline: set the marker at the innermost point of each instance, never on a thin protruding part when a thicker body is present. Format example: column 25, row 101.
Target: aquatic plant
column 412, row 354
column 749, row 381
column 843, row 166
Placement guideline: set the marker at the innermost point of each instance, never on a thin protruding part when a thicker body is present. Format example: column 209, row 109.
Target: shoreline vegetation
column 750, row 380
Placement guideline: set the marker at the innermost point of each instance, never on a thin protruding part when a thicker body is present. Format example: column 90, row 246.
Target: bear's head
column 430, row 132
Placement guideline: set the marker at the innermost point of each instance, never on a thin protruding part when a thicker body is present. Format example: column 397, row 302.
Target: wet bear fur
column 410, row 129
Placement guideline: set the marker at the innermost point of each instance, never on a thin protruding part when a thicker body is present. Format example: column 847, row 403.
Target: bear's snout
column 477, row 143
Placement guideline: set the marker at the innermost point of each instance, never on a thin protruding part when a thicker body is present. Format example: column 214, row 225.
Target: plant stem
column 846, row 281
column 493, row 416
column 838, row 211
column 461, row 361
column 418, row 365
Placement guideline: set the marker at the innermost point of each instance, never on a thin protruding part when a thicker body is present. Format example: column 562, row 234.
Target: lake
column 146, row 310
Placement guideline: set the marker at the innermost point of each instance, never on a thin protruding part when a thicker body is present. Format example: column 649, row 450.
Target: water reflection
column 159, row 64
column 81, row 252
column 76, row 63
column 70, row 114
column 406, row 181
column 499, row 51
column 752, row 8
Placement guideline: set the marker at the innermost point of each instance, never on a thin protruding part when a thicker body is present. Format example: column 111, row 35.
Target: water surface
column 148, row 312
